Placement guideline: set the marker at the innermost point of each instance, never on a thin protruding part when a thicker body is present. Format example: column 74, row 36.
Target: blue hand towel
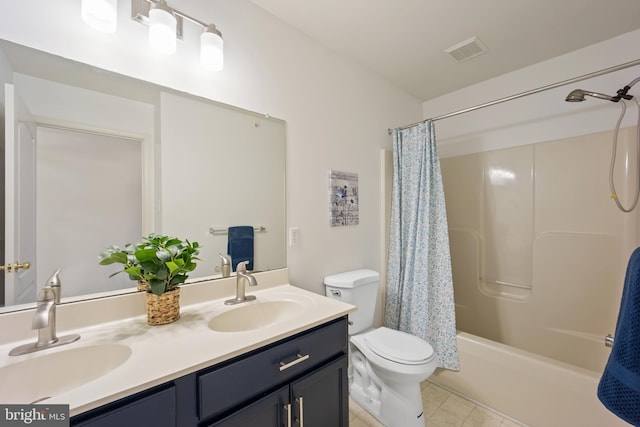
column 240, row 245
column 619, row 387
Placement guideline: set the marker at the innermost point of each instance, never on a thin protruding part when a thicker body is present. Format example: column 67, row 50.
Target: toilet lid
column 398, row 346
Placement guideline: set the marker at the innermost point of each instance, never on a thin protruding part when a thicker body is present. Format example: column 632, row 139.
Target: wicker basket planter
column 163, row 309
column 142, row 285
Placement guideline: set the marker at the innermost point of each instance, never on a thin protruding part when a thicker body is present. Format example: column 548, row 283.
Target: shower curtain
column 419, row 281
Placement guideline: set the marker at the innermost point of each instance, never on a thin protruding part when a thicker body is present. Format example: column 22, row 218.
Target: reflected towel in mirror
column 240, row 245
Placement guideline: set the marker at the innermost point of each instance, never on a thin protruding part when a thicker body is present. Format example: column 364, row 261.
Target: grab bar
column 608, row 340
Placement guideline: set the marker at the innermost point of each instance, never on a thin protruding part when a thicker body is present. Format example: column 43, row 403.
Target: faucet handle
column 242, row 266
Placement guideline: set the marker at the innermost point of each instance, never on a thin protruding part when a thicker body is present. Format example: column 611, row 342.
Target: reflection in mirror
column 92, row 158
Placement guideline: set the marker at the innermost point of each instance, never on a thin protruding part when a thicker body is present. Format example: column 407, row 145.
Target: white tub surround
column 162, row 353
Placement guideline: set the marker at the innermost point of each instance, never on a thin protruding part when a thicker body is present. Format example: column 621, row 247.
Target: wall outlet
column 294, row 236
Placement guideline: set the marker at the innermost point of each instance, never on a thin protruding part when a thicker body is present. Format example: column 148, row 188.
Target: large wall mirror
column 92, row 158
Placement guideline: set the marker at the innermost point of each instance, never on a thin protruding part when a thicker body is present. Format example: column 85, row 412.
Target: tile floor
column 441, row 409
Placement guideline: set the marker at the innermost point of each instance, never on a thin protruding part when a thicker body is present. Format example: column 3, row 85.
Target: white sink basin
column 43, row 376
column 255, row 315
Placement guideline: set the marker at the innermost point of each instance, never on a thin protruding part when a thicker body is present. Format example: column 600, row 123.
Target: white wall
column 544, row 116
column 337, row 114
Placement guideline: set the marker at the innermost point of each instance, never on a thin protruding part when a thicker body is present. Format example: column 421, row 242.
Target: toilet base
column 391, row 410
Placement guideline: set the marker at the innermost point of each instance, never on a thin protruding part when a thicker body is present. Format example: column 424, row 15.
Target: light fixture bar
column 189, row 18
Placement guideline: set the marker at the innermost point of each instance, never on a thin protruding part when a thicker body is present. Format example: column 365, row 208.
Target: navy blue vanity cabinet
column 299, row 380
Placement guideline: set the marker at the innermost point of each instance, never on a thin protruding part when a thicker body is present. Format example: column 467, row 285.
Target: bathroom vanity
column 280, row 360
column 301, row 380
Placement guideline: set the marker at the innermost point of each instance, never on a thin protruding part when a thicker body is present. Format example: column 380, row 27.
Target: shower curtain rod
column 522, row 94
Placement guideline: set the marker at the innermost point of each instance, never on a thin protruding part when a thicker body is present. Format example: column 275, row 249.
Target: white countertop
column 163, row 353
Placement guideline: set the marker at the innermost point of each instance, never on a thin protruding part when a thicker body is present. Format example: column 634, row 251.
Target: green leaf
column 157, row 286
column 163, row 255
column 134, row 271
column 120, row 257
column 177, row 280
column 147, row 254
column 172, row 266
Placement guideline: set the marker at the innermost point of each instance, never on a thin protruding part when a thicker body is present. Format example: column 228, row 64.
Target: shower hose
column 614, row 150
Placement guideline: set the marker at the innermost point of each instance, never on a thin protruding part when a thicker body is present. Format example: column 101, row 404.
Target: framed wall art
column 343, row 198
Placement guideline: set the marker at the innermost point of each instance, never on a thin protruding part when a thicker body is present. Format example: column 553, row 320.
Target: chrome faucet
column 241, row 277
column 44, row 320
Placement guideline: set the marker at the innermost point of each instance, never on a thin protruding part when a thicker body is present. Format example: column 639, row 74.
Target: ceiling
column 404, row 41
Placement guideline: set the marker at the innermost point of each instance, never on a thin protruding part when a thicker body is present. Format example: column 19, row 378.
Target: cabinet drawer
column 241, row 380
column 157, row 409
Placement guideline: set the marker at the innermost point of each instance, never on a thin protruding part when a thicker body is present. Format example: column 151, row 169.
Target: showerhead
column 577, row 95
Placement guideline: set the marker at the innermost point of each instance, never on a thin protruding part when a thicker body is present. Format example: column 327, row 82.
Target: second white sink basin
column 44, row 376
column 255, row 315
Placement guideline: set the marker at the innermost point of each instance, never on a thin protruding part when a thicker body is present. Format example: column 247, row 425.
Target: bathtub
column 533, row 389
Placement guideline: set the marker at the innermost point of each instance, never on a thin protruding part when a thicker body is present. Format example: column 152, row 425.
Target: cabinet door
column 270, row 411
column 321, row 399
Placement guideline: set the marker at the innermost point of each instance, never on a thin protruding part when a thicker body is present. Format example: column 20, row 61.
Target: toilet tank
column 359, row 288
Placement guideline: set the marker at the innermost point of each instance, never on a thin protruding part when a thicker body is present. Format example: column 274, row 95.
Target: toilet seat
column 398, row 346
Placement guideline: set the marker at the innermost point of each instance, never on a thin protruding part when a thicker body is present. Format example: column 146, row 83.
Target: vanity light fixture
column 163, row 32
column 100, row 14
column 165, row 27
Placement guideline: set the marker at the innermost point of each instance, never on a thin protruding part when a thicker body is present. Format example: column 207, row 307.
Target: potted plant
column 164, row 263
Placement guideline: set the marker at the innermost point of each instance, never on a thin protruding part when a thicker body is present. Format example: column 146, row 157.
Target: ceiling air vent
column 467, row 49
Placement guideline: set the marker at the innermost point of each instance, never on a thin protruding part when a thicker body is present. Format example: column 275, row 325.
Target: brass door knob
column 24, row 265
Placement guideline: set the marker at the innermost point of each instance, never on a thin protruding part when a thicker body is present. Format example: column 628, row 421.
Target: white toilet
column 385, row 366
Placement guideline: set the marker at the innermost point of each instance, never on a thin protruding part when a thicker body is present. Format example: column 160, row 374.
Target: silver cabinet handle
column 301, row 411
column 287, row 408
column 299, row 358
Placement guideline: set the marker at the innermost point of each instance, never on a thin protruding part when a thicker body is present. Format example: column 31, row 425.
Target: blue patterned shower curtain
column 419, row 280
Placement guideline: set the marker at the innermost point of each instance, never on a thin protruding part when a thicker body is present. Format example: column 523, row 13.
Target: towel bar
column 223, row 230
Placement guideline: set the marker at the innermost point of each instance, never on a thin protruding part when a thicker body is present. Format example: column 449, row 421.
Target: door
column 321, row 398
column 19, row 274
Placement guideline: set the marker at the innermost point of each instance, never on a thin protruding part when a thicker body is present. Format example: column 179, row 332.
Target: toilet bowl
column 386, row 366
